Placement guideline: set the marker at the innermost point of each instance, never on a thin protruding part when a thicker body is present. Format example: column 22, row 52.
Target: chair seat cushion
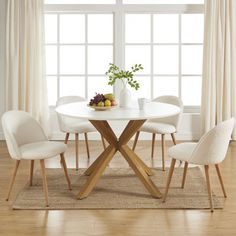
column 79, row 127
column 182, row 151
column 160, row 128
column 42, row 150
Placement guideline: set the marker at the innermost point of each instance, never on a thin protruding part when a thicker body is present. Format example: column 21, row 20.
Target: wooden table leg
column 97, row 168
column 95, row 176
column 95, row 164
column 135, row 165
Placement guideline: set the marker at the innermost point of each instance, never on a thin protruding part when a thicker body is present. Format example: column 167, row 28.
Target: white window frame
column 119, row 10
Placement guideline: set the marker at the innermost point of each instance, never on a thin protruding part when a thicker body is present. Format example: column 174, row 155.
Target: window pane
column 100, row 28
column 99, row 58
column 192, row 28
column 163, row 1
column 166, row 28
column 50, row 28
column 165, row 85
column 191, row 90
column 98, row 84
column 144, row 90
column 166, row 59
column 137, row 28
column 52, row 90
column 72, row 60
column 80, row 1
column 192, row 59
column 72, row 28
column 51, row 59
column 72, row 85
column 138, row 55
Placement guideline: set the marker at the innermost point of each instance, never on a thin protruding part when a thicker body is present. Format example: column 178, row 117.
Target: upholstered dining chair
column 168, row 125
column 26, row 140
column 75, row 126
column 210, row 150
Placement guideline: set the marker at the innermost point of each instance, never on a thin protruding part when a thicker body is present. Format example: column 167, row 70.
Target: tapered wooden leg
column 172, row 167
column 31, row 172
column 153, row 144
column 45, row 184
column 76, row 151
column 135, row 140
column 163, row 151
column 86, row 142
column 209, row 186
column 103, row 142
column 65, row 170
column 173, row 138
column 174, row 141
column 66, row 138
column 13, row 179
column 184, row 174
column 221, row 180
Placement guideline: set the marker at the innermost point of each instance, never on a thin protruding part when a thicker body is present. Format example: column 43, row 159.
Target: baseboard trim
column 143, row 136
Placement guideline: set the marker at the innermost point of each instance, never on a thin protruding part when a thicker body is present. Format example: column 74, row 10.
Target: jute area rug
column 117, row 189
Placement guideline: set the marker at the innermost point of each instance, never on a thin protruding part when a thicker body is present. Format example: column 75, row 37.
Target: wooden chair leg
column 65, row 170
column 209, row 187
column 76, row 151
column 172, row 167
column 221, row 180
column 66, row 138
column 184, row 174
column 174, row 141
column 103, row 142
column 13, row 179
column 87, row 145
column 153, row 144
column 173, row 138
column 45, row 184
column 31, row 172
column 163, row 151
column 135, row 140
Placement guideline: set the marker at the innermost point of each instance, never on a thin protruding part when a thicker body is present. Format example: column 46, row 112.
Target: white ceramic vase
column 125, row 98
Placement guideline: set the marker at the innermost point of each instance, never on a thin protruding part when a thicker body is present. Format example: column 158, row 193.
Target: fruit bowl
column 102, row 102
column 97, row 108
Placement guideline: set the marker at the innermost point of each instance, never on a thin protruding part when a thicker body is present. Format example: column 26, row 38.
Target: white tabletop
column 152, row 110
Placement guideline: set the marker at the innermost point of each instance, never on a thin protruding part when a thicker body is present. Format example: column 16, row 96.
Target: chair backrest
column 63, row 120
column 213, row 145
column 172, row 120
column 20, row 128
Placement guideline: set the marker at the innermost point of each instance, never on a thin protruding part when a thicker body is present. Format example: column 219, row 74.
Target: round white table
column 99, row 119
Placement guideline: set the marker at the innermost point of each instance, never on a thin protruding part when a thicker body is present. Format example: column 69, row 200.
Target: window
column 170, row 49
column 79, row 48
column 83, row 37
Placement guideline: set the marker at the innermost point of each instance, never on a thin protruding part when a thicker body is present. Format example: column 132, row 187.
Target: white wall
column 189, row 128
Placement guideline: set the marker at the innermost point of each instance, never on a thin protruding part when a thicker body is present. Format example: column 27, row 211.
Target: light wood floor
column 116, row 222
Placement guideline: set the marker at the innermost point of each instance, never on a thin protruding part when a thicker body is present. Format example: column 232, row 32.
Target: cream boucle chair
column 75, row 126
column 168, row 125
column 210, row 150
column 26, row 140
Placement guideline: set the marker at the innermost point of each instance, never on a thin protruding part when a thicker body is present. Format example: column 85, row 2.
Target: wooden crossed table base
column 97, row 168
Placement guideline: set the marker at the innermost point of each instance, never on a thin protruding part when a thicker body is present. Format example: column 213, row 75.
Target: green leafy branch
column 114, row 73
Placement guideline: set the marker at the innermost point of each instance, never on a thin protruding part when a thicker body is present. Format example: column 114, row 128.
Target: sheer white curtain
column 25, row 65
column 219, row 63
